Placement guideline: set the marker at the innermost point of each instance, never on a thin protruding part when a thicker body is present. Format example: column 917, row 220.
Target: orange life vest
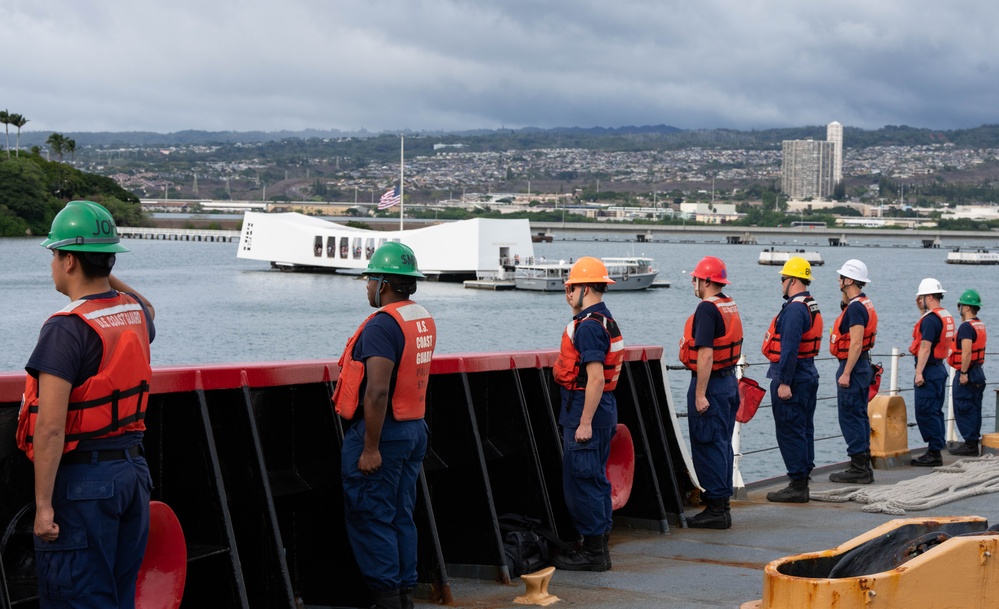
column 727, row 348
column 977, row 346
column 811, row 339
column 839, row 344
column 942, row 349
column 109, row 403
column 568, row 370
column 412, row 372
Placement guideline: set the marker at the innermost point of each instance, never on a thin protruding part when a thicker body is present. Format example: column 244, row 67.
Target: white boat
column 775, row 257
column 632, row 273
column 450, row 251
column 980, row 256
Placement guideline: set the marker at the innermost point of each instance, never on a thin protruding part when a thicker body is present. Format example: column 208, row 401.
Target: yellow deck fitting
column 537, row 588
column 990, row 443
column 889, row 432
column 941, row 562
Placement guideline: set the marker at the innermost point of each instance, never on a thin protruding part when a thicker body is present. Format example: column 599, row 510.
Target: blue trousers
column 968, row 405
column 102, row 509
column 379, row 506
column 711, row 435
column 794, row 424
column 929, row 401
column 584, row 481
column 852, row 404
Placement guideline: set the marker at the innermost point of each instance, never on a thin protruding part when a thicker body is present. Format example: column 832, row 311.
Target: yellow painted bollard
column 537, row 588
column 889, row 431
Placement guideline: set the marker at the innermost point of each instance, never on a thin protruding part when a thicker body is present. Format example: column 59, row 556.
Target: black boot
column 968, row 449
column 932, row 458
column 860, row 471
column 386, row 599
column 728, row 512
column 607, row 550
column 589, row 557
column 406, row 597
column 795, row 492
column 713, row 516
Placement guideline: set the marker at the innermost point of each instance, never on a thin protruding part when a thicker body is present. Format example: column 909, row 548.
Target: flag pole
column 402, row 168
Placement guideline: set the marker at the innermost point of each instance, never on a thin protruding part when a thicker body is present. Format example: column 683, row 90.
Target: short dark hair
column 94, row 265
column 597, row 287
column 401, row 284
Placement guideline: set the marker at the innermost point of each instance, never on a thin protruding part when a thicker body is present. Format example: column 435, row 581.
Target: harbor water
column 213, row 308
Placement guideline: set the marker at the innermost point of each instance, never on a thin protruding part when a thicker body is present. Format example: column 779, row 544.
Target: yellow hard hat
column 796, row 266
column 588, row 270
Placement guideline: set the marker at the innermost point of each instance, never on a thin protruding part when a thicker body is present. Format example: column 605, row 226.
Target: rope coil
column 964, row 478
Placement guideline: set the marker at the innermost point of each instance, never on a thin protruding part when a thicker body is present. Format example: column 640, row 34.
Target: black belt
column 80, row 457
column 717, row 374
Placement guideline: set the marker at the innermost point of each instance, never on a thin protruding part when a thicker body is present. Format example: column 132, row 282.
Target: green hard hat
column 394, row 258
column 970, row 298
column 84, row 226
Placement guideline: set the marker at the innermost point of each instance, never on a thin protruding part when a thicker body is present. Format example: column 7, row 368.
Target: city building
column 807, row 169
column 811, row 169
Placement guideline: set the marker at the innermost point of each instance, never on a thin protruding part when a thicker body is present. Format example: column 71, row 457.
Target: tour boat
column 628, row 273
column 979, row 256
column 776, row 257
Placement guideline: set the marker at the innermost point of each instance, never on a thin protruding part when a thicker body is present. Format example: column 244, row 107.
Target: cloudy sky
column 145, row 65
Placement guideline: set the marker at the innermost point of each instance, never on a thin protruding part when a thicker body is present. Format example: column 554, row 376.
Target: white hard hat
column 856, row 270
column 930, row 286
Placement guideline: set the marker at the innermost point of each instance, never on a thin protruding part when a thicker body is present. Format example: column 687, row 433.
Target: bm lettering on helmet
column 104, row 227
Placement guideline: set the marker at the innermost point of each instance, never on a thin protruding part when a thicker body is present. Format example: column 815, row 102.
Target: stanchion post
column 893, row 388
column 951, row 424
column 738, row 485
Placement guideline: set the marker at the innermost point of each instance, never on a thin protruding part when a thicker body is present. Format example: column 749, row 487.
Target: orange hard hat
column 712, row 269
column 588, row 270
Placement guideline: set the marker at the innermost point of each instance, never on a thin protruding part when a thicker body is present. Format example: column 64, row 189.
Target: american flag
column 391, row 198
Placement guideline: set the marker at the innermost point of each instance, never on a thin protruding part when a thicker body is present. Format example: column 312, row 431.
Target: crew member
column 967, row 356
column 932, row 337
column 587, row 368
column 791, row 344
column 851, row 338
column 384, row 371
column 81, row 422
column 710, row 348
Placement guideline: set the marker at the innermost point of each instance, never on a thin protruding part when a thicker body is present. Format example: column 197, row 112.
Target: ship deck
column 707, row 568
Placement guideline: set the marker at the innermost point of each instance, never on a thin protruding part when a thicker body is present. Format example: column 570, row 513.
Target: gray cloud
column 454, row 64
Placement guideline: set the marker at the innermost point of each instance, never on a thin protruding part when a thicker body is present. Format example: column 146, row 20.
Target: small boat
column 634, row 273
column 629, row 274
column 980, row 256
column 775, row 257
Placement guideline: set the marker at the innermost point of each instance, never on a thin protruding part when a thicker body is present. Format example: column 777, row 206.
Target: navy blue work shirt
column 593, row 343
column 793, row 321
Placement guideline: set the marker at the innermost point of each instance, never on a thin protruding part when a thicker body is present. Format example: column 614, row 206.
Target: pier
column 178, row 234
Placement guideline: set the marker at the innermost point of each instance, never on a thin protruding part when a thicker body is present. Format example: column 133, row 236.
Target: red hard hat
column 711, row 268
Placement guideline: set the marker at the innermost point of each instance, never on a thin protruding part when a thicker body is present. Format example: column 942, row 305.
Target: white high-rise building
column 834, row 134
column 812, row 169
column 807, row 169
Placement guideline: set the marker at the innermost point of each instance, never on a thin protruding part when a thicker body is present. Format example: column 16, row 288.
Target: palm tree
column 57, row 142
column 5, row 119
column 18, row 121
column 70, row 146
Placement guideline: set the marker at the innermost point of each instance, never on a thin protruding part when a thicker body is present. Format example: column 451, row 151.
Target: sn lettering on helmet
column 407, row 259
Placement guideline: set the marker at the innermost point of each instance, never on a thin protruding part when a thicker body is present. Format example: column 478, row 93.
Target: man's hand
column 844, row 380
column 784, row 391
column 45, row 526
column 369, row 462
column 584, row 433
column 701, row 403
